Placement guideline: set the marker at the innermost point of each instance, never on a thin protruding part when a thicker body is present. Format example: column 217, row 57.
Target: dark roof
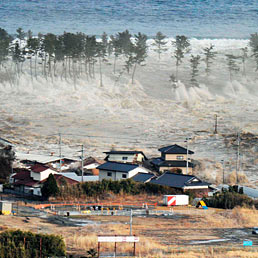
column 26, row 182
column 38, row 168
column 58, row 178
column 175, row 149
column 117, row 166
column 124, row 153
column 143, row 177
column 177, row 180
column 21, row 173
column 171, row 163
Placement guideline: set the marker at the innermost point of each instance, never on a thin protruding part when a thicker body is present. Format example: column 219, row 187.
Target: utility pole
column 187, row 152
column 60, row 152
column 216, row 125
column 223, row 171
column 131, row 222
column 237, row 161
column 82, row 162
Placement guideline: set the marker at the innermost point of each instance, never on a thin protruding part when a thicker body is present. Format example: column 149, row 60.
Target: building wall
column 114, row 176
column 190, row 169
column 43, row 175
column 127, row 157
column 176, row 157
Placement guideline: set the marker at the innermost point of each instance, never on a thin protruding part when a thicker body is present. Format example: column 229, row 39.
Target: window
column 109, row 174
column 180, row 157
column 123, row 175
column 124, row 158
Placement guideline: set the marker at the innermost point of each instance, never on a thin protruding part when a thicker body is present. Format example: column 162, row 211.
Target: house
column 134, row 157
column 183, row 182
column 30, row 180
column 90, row 165
column 117, row 170
column 40, row 172
column 29, row 159
column 143, row 177
column 173, row 157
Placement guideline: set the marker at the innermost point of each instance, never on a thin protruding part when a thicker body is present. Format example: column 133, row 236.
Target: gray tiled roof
column 171, row 163
column 177, row 180
column 117, row 166
column 142, row 177
column 175, row 149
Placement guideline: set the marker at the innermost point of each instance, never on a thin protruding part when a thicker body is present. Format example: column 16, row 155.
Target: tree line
column 101, row 188
column 73, row 55
column 19, row 244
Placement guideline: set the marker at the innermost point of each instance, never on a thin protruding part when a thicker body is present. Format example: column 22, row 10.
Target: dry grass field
column 181, row 235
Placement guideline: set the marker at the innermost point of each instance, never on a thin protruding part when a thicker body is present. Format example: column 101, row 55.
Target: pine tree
column 243, row 57
column 232, row 65
column 160, row 43
column 139, row 51
column 182, row 46
column 50, row 187
column 210, row 55
column 254, row 46
column 195, row 61
column 5, row 40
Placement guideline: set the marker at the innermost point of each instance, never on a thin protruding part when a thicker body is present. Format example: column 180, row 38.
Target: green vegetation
column 20, row 244
column 228, row 199
column 127, row 186
column 50, row 187
column 6, row 159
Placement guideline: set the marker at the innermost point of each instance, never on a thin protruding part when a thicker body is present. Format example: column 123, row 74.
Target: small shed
column 5, row 208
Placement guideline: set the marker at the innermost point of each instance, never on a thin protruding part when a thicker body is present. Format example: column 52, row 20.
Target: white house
column 40, row 172
column 116, row 170
column 125, row 156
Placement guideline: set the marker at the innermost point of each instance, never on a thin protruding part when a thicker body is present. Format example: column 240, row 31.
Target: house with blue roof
column 118, row 170
column 173, row 157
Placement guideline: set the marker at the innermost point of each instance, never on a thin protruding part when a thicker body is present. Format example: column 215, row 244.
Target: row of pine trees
column 72, row 55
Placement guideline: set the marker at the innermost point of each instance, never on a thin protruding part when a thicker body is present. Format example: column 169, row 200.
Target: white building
column 117, row 171
column 125, row 156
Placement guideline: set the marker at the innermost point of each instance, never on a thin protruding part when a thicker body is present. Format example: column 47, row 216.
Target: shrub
column 20, row 244
column 228, row 199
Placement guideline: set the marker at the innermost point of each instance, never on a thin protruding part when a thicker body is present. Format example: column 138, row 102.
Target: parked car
column 255, row 231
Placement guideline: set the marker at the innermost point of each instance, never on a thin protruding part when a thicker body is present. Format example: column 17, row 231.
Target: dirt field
column 190, row 232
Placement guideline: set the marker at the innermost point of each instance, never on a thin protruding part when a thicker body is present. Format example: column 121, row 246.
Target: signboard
column 247, row 243
column 127, row 239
